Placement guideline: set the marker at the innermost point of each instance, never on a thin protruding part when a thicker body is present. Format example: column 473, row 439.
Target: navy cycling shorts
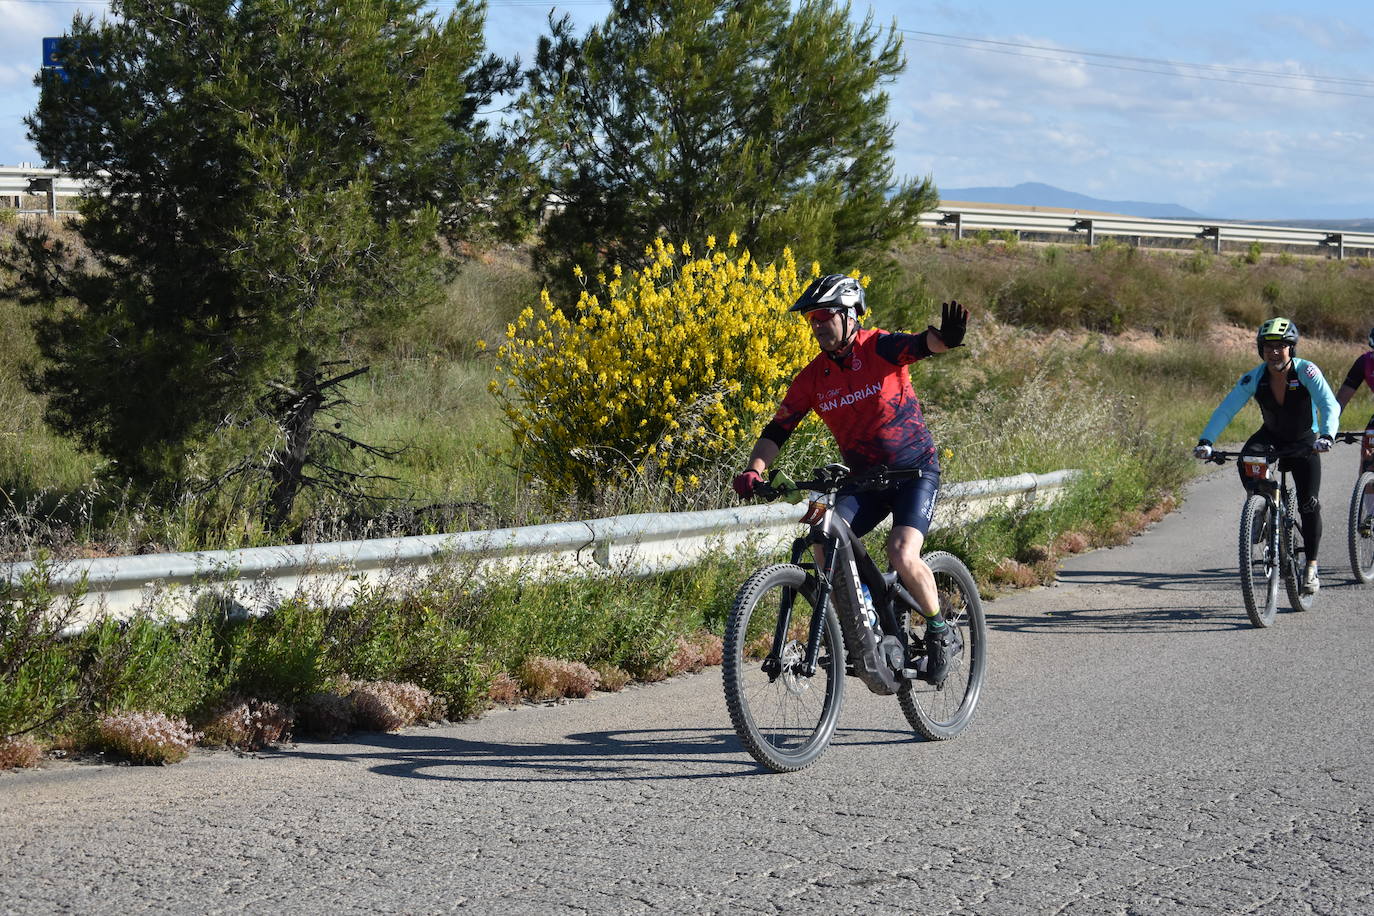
column 909, row 502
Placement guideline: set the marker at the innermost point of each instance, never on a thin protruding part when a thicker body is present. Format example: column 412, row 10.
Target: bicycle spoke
column 785, row 720
column 942, row 711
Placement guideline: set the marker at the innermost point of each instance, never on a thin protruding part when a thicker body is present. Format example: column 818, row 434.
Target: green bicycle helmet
column 1275, row 330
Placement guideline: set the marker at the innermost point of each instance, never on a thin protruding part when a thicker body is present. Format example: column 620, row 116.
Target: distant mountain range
column 1034, row 194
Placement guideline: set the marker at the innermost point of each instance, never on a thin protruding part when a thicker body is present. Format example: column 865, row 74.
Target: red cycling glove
column 744, row 483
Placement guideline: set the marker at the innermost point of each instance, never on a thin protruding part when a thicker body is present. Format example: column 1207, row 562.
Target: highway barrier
column 254, row 580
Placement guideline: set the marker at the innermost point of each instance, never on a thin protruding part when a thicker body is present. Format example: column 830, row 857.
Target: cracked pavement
column 1140, row 749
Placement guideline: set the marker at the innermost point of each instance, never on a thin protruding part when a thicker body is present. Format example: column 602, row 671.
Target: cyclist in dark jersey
column 860, row 386
column 1298, row 408
column 1361, row 371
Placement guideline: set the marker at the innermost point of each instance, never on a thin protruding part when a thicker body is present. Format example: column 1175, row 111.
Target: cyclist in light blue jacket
column 1298, row 408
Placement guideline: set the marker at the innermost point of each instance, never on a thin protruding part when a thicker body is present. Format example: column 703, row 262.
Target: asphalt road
column 1140, row 749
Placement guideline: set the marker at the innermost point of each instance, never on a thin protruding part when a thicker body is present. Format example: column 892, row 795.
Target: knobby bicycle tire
column 1293, row 551
column 940, row 712
column 1361, row 533
column 1259, row 573
column 785, row 721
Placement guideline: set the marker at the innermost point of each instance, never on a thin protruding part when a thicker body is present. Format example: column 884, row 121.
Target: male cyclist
column 1298, row 409
column 860, row 386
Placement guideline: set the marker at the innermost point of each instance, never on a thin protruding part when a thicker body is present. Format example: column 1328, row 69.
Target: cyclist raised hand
column 860, row 386
column 1298, row 408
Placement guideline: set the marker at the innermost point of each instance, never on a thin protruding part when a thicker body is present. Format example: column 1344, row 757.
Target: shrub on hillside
column 19, row 752
column 504, row 689
column 386, row 706
column 40, row 679
column 325, row 714
column 695, row 652
column 611, row 678
column 146, row 737
column 657, row 376
column 247, row 724
column 545, row 678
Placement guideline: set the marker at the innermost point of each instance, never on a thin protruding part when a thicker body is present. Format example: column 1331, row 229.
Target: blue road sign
column 51, row 61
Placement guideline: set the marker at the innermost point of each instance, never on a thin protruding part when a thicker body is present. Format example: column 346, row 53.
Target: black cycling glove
column 953, row 324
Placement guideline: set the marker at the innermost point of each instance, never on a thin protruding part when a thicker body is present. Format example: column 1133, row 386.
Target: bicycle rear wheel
column 784, row 717
column 940, row 712
column 1294, row 554
column 1362, row 528
column 1259, row 571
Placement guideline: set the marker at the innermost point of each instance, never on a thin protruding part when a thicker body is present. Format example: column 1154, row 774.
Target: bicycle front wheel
column 1259, row 571
column 1362, row 528
column 939, row 712
column 1294, row 553
column 784, row 716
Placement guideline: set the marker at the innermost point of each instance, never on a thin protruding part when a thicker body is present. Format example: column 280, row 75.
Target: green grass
column 1114, row 287
column 426, row 391
column 1104, row 360
column 449, row 634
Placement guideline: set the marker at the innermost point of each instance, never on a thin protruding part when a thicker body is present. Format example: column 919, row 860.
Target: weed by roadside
column 406, row 651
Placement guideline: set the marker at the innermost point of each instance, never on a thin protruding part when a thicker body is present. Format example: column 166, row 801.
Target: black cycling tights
column 1306, row 471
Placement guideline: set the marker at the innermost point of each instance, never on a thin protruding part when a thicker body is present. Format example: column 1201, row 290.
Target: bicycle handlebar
column 835, row 478
column 1269, row 451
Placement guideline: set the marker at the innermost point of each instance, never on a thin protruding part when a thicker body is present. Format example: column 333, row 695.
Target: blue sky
column 1251, row 110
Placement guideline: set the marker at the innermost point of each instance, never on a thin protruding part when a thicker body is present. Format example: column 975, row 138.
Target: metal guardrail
column 254, row 580
column 1088, row 227
column 21, row 181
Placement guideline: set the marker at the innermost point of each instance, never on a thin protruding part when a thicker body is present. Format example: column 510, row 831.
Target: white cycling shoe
column 1310, row 581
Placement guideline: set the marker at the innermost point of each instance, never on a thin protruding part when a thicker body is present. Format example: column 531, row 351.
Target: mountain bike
column 1271, row 541
column 1361, row 528
column 797, row 629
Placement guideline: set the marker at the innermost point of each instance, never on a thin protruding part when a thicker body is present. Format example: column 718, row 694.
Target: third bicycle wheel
column 1362, row 528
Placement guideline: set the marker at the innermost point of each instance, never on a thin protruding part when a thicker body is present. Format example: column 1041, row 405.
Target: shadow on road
column 1229, row 615
column 1124, row 620
column 639, row 755
column 1168, row 581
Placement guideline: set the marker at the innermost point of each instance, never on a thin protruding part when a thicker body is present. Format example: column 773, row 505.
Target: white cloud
column 1327, row 34
column 16, row 77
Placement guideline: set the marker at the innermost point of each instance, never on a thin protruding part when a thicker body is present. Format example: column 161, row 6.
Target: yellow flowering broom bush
column 657, row 376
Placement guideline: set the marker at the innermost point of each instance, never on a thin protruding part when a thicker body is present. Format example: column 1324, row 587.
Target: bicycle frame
column 878, row 663
column 1258, row 470
column 784, row 699
column 1274, row 494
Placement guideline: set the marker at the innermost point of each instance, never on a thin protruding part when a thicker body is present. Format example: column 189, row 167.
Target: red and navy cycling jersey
column 866, row 400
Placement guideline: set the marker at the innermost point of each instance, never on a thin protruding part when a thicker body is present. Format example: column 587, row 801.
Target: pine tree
column 272, row 175
column 685, row 118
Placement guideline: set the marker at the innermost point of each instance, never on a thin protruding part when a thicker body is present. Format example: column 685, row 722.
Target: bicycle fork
column 772, row 665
